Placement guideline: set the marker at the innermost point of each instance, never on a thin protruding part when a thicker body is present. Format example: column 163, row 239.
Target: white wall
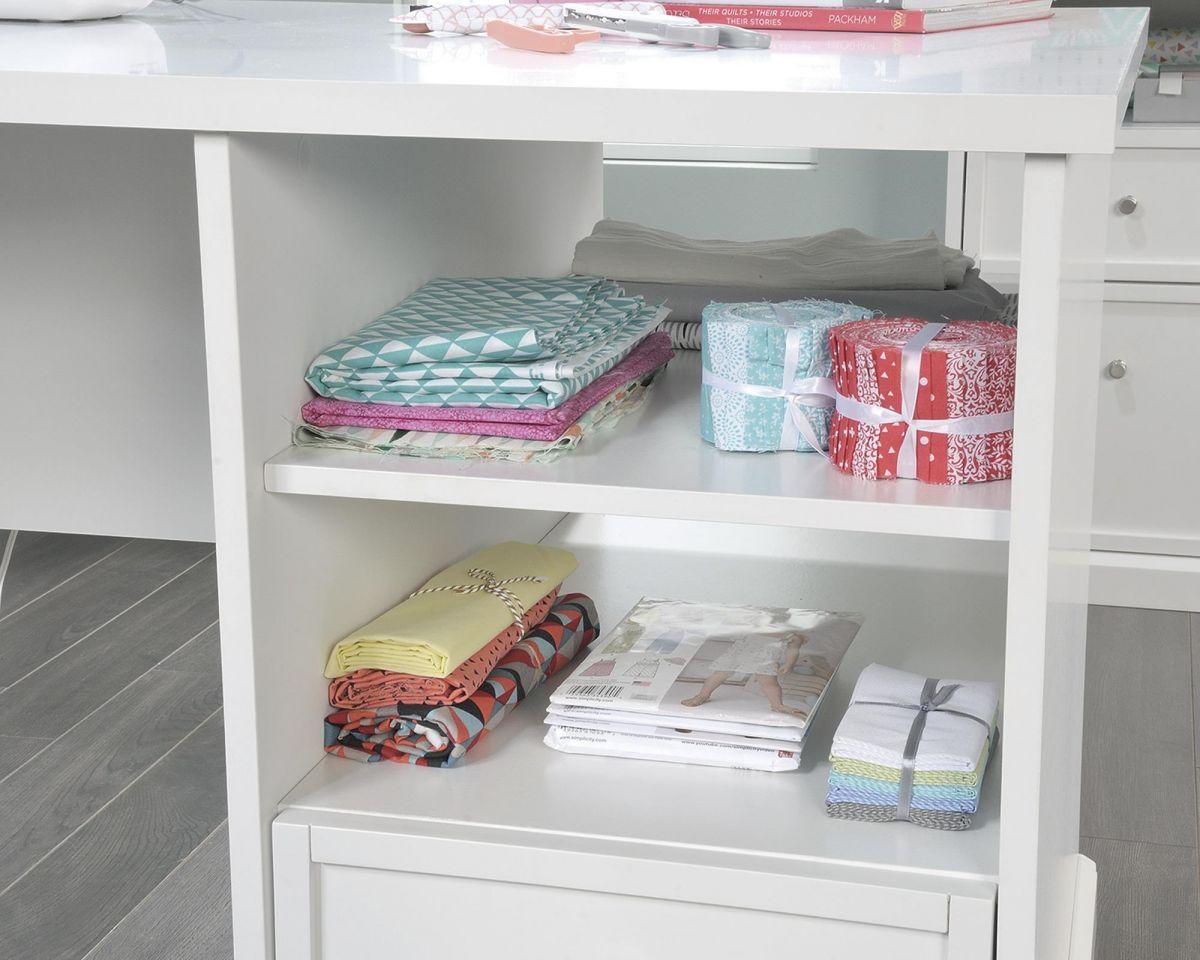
column 890, row 194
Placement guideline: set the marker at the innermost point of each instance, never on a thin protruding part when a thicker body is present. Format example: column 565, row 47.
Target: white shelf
column 325, row 68
column 1163, row 136
column 918, row 616
column 654, row 464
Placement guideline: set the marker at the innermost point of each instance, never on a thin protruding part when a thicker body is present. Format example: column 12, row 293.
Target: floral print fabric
column 969, row 369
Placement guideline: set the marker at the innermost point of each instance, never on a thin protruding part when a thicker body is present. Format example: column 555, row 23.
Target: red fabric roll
column 968, row 370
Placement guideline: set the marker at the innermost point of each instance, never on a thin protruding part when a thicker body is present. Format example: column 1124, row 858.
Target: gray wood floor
column 111, row 758
column 113, row 841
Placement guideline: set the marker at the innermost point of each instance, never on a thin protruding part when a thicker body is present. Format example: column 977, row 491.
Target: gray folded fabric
column 838, row 260
column 975, row 299
column 870, row 813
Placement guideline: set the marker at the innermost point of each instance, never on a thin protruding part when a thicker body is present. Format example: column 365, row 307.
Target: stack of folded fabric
column 501, row 368
column 423, row 682
column 911, row 278
column 912, row 748
column 760, row 361
column 960, row 379
column 702, row 683
column 488, row 433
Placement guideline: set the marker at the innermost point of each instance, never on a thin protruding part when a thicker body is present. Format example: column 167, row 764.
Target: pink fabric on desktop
column 650, row 354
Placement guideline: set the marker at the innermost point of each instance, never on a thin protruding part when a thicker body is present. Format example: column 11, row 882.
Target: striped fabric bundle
column 440, row 736
column 968, row 370
column 877, row 774
column 382, row 688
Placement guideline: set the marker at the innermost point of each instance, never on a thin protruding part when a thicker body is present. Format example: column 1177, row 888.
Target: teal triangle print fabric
column 522, row 342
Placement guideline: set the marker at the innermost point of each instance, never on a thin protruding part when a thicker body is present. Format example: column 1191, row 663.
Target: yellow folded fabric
column 454, row 613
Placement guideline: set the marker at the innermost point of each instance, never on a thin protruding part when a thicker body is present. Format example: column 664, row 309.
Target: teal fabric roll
column 746, row 344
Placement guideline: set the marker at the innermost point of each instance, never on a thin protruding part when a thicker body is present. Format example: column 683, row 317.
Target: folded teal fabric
column 745, row 344
column 524, row 342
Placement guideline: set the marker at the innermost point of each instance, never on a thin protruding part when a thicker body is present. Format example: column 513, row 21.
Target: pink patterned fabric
column 650, row 354
column 969, row 369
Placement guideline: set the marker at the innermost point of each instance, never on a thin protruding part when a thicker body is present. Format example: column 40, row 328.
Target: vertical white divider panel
column 302, row 240
column 1062, row 249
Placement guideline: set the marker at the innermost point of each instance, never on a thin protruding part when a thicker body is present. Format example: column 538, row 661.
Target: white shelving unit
column 338, row 165
column 656, row 465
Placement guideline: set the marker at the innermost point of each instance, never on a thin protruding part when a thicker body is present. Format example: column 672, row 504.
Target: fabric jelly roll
column 381, row 688
column 453, row 614
column 762, row 362
column 440, row 736
column 960, row 387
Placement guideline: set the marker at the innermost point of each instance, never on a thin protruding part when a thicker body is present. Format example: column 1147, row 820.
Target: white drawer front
column 1148, row 446
column 521, row 894
column 1154, row 205
column 1154, row 209
column 435, row 915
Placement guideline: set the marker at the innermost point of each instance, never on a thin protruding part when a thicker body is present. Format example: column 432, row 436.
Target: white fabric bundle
column 877, row 734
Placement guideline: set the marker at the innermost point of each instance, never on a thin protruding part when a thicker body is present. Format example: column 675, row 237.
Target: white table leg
column 1062, row 246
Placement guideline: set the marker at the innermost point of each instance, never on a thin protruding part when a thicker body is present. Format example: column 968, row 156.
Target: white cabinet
column 1147, row 451
column 1153, row 210
column 1152, row 217
column 599, row 858
column 1146, row 522
column 338, row 164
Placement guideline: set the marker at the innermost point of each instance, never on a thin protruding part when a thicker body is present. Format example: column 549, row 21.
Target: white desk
column 338, row 164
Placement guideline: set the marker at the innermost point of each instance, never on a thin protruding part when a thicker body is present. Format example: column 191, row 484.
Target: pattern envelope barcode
column 595, row 691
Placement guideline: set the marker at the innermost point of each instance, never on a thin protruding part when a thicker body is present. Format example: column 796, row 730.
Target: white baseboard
column 1153, row 581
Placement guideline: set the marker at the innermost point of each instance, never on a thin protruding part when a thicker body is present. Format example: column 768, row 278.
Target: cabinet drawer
column 520, row 921
column 520, row 894
column 1147, row 451
column 1153, row 213
column 1153, row 209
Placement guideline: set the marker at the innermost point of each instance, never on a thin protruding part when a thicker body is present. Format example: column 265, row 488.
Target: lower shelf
column 929, row 608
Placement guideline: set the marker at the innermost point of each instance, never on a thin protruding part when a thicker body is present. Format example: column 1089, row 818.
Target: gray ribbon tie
column 932, row 699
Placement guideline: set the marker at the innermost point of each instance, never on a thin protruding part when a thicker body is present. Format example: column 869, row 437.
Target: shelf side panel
column 303, row 240
column 1058, row 344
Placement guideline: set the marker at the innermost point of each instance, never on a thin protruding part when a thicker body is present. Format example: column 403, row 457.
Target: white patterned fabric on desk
column 474, row 17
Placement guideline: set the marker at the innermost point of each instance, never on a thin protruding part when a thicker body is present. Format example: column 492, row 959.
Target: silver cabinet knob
column 1127, row 205
column 1117, row 369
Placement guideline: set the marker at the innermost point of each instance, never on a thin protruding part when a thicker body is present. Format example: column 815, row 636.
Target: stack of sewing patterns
column 703, row 683
column 501, row 368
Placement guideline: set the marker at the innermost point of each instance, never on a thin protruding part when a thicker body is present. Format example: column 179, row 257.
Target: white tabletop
column 1054, row 86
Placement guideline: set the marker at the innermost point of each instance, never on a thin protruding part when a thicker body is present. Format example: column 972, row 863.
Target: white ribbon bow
column 490, row 585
